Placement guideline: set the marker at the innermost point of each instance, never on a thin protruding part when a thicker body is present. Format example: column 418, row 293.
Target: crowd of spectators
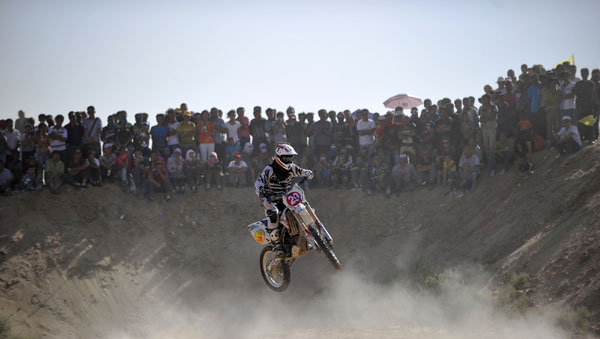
column 447, row 143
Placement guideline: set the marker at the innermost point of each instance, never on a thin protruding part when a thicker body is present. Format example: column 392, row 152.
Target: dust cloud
column 347, row 305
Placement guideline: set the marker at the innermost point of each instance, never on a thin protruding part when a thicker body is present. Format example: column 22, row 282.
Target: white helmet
column 284, row 154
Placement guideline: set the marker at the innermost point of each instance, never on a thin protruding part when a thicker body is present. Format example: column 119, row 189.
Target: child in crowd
column 108, row 164
column 158, row 180
column 94, row 168
column 123, row 164
column 175, row 168
column 29, row 182
column 213, row 174
column 192, row 168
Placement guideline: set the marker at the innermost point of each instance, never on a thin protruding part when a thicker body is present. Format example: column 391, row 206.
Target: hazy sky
column 146, row 56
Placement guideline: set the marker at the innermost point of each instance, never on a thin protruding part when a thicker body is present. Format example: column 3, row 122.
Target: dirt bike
column 302, row 231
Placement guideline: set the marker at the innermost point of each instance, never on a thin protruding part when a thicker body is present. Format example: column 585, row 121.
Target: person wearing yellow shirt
column 186, row 132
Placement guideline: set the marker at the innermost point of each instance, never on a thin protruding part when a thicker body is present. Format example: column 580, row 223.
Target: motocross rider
column 272, row 183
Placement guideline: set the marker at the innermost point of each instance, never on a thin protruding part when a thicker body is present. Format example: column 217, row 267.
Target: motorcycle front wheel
column 276, row 275
column 324, row 247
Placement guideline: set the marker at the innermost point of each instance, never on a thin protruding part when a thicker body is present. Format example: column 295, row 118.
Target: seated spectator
column 140, row 169
column 237, row 170
column 55, row 170
column 406, row 135
column 567, row 140
column 29, row 181
column 123, row 164
column 213, row 173
column 426, row 169
column 231, row 148
column 192, row 168
column 108, row 164
column 6, row 179
column 404, row 175
column 502, row 150
column 175, row 167
column 447, row 175
column 31, row 162
column 468, row 168
column 323, row 171
column 381, row 179
column 341, row 169
column 77, row 170
column 93, row 167
column 158, row 180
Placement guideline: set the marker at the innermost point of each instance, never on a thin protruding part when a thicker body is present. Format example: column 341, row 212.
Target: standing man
column 258, row 129
column 218, row 137
column 158, row 133
column 366, row 129
column 74, row 135
column 21, row 122
column 584, row 104
column 244, row 130
column 322, row 131
column 58, row 138
column 92, row 127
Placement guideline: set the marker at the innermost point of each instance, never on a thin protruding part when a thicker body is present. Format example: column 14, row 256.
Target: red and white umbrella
column 402, row 100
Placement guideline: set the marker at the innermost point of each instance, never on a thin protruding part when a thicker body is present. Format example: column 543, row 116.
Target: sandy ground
column 100, row 264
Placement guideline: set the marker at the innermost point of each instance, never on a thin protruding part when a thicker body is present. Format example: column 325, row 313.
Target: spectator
column 294, row 132
column 567, row 103
column 503, row 151
column 404, row 175
column 92, row 130
column 93, row 165
column 387, row 138
column 108, row 135
column 341, row 132
column 488, row 114
column 55, row 170
column 551, row 102
column 124, row 132
column 323, row 172
column 58, row 138
column 74, row 135
column 139, row 172
column 278, row 130
column 426, row 169
column 27, row 142
column 244, row 130
column 213, row 174
column 172, row 124
column 341, row 172
column 381, row 179
column 159, row 180
column 425, row 134
column 206, row 141
column 123, row 165
column 141, row 134
column 175, row 167
column 108, row 164
column 158, row 133
column 406, row 136
column 186, row 132
column 237, row 171
column 366, row 130
column 192, row 169
column 233, row 127
column 567, row 140
column 21, row 122
column 42, row 144
column 6, row 179
column 13, row 139
column 468, row 168
column 218, row 137
column 77, row 170
column 258, row 129
column 447, row 175
column 584, row 104
column 50, row 121
column 231, row 148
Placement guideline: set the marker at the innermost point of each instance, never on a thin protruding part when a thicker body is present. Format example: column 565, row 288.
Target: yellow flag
column 588, row 121
column 570, row 60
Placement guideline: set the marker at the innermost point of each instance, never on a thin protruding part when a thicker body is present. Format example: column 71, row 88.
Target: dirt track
column 187, row 269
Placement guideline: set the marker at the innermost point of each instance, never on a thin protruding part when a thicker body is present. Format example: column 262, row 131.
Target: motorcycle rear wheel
column 279, row 278
column 324, row 247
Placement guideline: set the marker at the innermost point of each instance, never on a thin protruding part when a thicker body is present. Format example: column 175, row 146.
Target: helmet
column 284, row 155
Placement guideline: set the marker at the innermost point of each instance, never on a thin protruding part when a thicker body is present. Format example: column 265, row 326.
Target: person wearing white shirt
column 567, row 140
column 567, row 102
column 233, row 127
column 366, row 130
column 58, row 138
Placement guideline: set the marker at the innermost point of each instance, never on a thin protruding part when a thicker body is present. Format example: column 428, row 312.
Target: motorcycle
column 302, row 231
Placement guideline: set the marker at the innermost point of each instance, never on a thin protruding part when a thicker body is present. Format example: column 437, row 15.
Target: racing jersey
column 274, row 181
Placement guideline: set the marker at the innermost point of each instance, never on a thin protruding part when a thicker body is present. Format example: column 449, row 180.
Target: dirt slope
column 101, row 264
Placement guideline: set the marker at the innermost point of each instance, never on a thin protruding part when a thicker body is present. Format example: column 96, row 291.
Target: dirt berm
column 98, row 263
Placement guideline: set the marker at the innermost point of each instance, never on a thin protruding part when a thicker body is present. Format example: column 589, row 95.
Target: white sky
column 146, row 56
